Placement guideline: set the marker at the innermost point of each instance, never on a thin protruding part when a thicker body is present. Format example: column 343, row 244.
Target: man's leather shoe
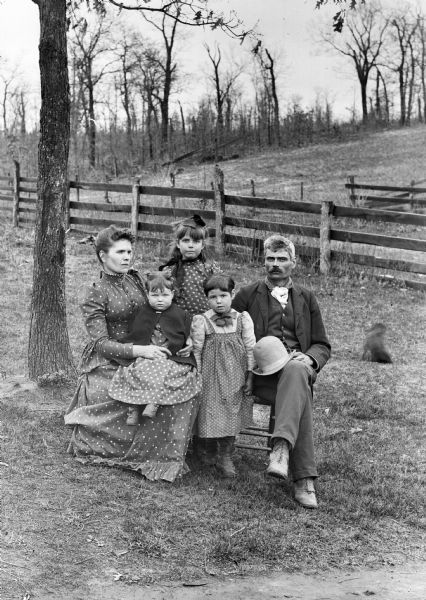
column 278, row 459
column 304, row 492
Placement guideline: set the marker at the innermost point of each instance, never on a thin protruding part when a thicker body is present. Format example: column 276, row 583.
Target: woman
column 156, row 447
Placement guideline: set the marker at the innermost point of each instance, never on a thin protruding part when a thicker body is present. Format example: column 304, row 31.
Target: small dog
column 374, row 345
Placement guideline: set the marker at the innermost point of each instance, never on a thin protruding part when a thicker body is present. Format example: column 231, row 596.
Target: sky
column 288, row 27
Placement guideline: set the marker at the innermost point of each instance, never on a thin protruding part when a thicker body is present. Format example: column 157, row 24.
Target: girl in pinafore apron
column 170, row 380
column 223, row 346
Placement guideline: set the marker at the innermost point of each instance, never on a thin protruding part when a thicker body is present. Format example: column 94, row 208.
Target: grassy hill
column 392, row 157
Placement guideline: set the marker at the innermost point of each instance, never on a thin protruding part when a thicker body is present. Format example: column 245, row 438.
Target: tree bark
column 49, row 352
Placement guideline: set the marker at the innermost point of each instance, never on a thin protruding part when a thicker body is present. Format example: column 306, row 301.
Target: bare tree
column 421, row 33
column 411, row 77
column 149, row 81
column 88, row 45
column 362, row 42
column 268, row 66
column 267, row 98
column 382, row 98
column 403, row 30
column 166, row 64
column 224, row 84
column 8, row 91
column 21, row 110
column 127, row 58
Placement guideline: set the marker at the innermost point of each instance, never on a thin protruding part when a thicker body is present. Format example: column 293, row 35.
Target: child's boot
column 132, row 415
column 224, row 460
column 150, row 411
column 208, row 454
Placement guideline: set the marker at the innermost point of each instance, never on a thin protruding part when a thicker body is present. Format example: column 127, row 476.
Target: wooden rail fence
column 391, row 198
column 235, row 221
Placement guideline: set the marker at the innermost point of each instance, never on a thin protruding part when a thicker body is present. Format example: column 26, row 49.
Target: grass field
column 66, row 525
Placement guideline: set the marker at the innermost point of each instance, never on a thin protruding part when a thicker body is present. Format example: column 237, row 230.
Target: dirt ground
column 403, row 583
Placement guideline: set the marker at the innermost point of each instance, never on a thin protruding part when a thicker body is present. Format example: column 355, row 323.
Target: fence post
column 301, row 191
column 252, row 209
column 219, row 202
column 172, row 193
column 136, row 197
column 325, row 247
column 352, row 195
column 411, row 196
column 77, row 189
column 15, row 208
column 106, row 193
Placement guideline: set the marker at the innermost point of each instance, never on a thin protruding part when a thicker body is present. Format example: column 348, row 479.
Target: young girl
column 188, row 265
column 171, row 377
column 223, row 346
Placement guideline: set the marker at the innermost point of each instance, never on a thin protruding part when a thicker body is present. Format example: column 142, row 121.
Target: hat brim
column 274, row 367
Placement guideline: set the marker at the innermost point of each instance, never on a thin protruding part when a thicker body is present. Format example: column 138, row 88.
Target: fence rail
column 230, row 227
column 401, row 195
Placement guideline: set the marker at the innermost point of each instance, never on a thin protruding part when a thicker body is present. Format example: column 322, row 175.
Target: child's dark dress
column 166, row 381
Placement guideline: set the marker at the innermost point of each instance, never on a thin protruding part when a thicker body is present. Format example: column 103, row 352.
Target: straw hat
column 270, row 355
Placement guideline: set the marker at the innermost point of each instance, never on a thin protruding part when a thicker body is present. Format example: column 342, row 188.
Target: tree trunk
column 49, row 352
column 402, row 118
column 4, row 106
column 92, row 123
column 378, row 104
column 23, row 114
column 411, row 78
column 127, row 110
column 164, row 105
column 363, row 84
column 182, row 120
column 274, row 94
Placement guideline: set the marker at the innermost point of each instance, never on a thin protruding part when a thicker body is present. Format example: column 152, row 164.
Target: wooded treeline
column 127, row 108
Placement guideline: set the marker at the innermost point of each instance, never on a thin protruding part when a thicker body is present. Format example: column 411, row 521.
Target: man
column 289, row 312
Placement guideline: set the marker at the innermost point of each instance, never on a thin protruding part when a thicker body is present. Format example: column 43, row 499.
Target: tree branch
column 199, row 15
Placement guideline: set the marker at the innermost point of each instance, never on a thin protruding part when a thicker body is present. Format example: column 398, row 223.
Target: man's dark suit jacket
column 309, row 328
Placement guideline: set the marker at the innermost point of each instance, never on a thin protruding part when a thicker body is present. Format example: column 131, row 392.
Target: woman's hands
column 151, row 352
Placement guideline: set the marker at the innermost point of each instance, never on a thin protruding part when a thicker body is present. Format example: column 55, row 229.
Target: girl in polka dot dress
column 223, row 346
column 171, row 379
column 188, row 265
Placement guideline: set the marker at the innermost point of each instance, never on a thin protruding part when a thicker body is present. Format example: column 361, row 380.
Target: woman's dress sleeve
column 94, row 312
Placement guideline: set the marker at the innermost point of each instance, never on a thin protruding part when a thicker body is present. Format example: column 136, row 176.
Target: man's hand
column 304, row 358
